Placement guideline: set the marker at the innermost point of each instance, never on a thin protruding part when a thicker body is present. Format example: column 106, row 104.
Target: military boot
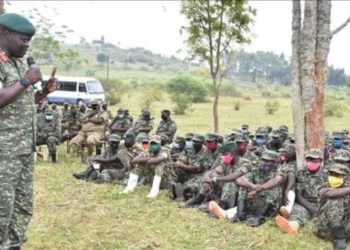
column 259, row 218
column 241, row 213
column 196, row 200
column 224, row 204
column 339, row 238
column 53, row 158
column 85, row 174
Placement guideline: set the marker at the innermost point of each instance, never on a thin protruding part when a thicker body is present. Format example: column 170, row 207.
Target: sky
column 155, row 25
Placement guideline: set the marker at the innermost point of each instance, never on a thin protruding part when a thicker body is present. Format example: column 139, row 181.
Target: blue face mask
column 338, row 143
column 189, row 144
column 48, row 117
column 260, row 141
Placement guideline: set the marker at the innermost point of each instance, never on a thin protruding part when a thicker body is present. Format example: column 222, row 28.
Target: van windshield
column 94, row 87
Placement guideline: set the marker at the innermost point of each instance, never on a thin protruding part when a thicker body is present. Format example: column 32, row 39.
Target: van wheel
column 80, row 102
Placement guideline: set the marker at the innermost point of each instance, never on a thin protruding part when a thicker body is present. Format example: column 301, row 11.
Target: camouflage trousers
column 107, row 176
column 300, row 214
column 272, row 196
column 333, row 213
column 148, row 172
column 16, row 198
column 50, row 141
column 88, row 139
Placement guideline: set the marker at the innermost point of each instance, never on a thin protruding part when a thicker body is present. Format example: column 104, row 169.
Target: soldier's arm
column 97, row 120
column 156, row 160
column 302, row 201
column 141, row 158
column 328, row 193
column 274, row 182
column 187, row 167
column 245, row 182
column 231, row 177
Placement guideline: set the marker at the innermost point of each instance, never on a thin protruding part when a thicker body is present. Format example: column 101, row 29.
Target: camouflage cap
column 269, row 155
column 179, row 139
column 188, row 136
column 338, row 134
column 240, row 138
column 146, row 112
column 288, row 148
column 198, row 138
column 345, row 131
column 236, row 131
column 314, row 153
column 166, row 111
column 283, row 128
column 142, row 138
column 275, row 133
column 155, row 139
column 120, row 110
column 339, row 169
column 114, row 137
column 342, row 155
column 229, row 146
column 261, row 131
column 129, row 136
column 95, row 102
column 211, row 137
column 245, row 126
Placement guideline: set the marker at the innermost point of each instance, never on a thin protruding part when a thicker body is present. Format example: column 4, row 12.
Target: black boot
column 98, row 149
column 196, row 200
column 85, row 174
column 259, row 218
column 339, row 238
column 241, row 213
column 223, row 204
column 53, row 158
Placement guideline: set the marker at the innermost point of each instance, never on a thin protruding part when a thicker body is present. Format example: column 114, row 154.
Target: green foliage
column 237, row 105
column 189, row 86
column 334, row 108
column 113, row 98
column 111, row 85
column 182, row 102
column 150, row 95
column 229, row 90
column 272, row 107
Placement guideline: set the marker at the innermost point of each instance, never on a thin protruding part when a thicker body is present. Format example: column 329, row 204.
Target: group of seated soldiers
column 240, row 176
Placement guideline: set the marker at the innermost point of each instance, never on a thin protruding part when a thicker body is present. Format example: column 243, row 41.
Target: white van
column 76, row 90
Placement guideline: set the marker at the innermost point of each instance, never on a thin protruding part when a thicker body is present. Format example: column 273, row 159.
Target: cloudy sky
column 155, row 25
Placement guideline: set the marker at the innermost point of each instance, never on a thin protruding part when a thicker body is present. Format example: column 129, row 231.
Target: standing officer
column 17, row 129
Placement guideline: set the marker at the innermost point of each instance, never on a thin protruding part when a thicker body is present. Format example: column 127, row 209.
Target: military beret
column 129, row 136
column 314, row 153
column 155, row 138
column 189, row 136
column 17, row 23
column 342, row 155
column 114, row 137
column 199, row 138
column 339, row 169
column 269, row 155
column 229, row 146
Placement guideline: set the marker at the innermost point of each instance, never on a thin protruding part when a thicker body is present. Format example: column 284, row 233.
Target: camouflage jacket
column 256, row 176
column 242, row 164
column 17, row 119
column 167, row 126
column 120, row 123
column 141, row 124
column 285, row 168
column 49, row 128
column 199, row 160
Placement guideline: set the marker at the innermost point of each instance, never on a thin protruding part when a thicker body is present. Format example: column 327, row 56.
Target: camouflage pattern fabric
column 17, row 137
column 123, row 123
column 167, row 126
column 49, row 133
column 141, row 124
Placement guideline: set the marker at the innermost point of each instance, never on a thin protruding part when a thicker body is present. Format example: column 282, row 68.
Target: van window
column 94, row 87
column 82, row 87
column 68, row 86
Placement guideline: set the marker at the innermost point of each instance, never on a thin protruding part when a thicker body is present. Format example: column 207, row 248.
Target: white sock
column 155, row 187
column 291, row 199
column 230, row 213
column 132, row 183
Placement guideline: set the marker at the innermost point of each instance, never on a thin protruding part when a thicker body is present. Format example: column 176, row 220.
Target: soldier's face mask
column 155, row 148
column 120, row 115
column 211, row 145
column 128, row 143
column 338, row 143
column 164, row 117
column 95, row 107
column 313, row 165
column 145, row 145
column 189, row 144
column 335, row 181
column 48, row 117
column 197, row 145
column 177, row 145
column 266, row 166
column 242, row 148
column 227, row 159
column 283, row 157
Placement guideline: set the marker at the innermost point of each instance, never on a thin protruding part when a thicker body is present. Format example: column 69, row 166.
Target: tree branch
column 340, row 27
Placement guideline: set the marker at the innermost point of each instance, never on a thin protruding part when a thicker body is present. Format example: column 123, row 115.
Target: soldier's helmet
column 114, row 137
column 339, row 169
column 342, row 155
column 289, row 149
column 269, row 155
column 313, row 153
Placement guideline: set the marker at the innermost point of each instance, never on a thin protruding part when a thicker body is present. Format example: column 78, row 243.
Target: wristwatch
column 24, row 82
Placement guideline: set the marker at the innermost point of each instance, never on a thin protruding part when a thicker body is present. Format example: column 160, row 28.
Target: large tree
column 213, row 29
column 310, row 48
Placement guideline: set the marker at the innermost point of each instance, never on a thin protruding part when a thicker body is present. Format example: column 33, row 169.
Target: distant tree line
column 270, row 67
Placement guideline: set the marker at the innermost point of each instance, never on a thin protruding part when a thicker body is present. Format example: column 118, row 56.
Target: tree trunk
column 296, row 85
column 215, row 106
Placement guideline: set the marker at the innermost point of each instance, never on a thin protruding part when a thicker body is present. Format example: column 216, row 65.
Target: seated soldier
column 154, row 166
column 106, row 167
column 212, row 145
column 143, row 125
column 333, row 219
column 275, row 142
column 167, row 126
column 258, row 205
column 177, row 147
column 49, row 132
column 120, row 124
column 308, row 181
column 73, row 124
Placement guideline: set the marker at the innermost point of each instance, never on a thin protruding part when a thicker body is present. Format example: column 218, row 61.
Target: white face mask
column 48, row 117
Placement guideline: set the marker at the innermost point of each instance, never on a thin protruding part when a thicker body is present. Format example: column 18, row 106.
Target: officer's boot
column 241, row 213
column 259, row 218
column 224, row 204
column 53, row 158
column 197, row 200
column 98, row 149
column 85, row 174
column 339, row 238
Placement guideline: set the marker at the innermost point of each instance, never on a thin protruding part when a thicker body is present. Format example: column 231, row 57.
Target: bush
column 334, row 109
column 237, row 105
column 150, row 95
column 189, row 86
column 182, row 103
column 229, row 90
column 272, row 106
column 113, row 98
column 112, row 85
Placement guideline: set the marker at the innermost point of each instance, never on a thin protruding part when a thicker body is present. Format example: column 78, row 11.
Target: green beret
column 17, row 23
column 227, row 147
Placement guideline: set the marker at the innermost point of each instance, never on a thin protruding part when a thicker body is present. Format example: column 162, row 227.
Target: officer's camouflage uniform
column 141, row 123
column 74, row 126
column 167, row 126
column 123, row 123
column 17, row 145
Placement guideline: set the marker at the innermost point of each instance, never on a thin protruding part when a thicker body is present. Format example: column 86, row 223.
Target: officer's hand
column 252, row 194
column 33, row 75
column 51, row 85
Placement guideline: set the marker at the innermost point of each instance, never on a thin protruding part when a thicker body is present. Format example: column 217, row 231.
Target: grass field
column 72, row 214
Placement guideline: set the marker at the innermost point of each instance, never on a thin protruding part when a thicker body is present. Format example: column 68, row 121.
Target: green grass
column 72, row 214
